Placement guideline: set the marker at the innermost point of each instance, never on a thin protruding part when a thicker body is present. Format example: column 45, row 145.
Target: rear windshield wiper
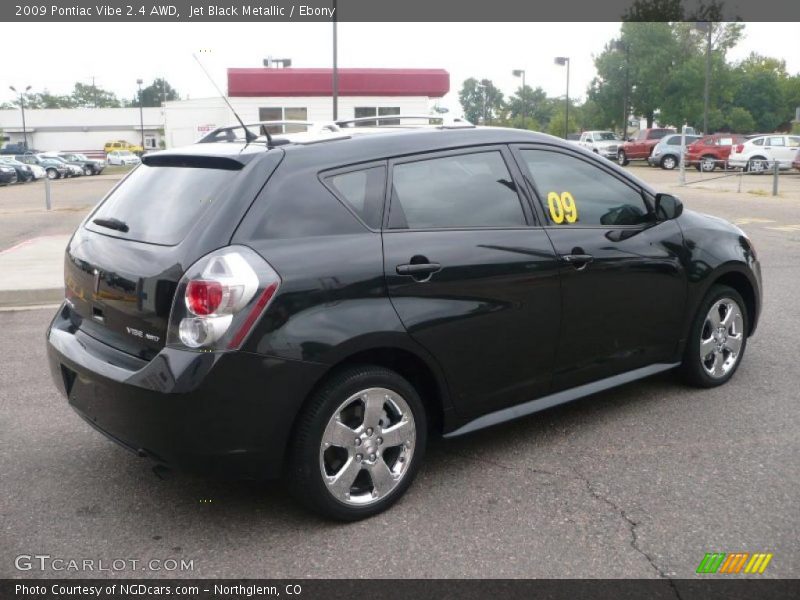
column 112, row 224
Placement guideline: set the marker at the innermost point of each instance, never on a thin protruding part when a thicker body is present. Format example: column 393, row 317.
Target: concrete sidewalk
column 33, row 272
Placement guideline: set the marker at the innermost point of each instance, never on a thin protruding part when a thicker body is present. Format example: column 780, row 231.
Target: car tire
column 711, row 356
column 622, row 158
column 52, row 173
column 346, row 480
column 669, row 162
column 707, row 164
column 757, row 164
column 88, row 171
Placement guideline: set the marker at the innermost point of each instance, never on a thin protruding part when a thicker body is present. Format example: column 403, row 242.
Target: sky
column 113, row 53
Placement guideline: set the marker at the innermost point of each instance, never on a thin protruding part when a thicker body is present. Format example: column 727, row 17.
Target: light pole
column 707, row 27
column 336, row 65
column 626, row 47
column 22, row 107
column 564, row 60
column 521, row 73
column 141, row 112
column 483, row 87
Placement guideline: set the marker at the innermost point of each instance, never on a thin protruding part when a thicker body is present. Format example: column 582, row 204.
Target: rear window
column 657, row 134
column 159, row 205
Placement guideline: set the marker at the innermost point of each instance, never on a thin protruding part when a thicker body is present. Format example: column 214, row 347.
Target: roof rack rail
column 442, row 122
column 262, row 130
column 274, row 133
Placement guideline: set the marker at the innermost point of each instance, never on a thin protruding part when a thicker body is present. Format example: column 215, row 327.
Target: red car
column 712, row 151
column 642, row 146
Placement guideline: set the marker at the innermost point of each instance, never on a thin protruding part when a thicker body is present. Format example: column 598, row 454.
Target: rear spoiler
column 197, row 161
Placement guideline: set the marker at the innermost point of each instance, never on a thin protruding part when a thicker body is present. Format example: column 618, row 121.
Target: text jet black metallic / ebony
column 317, row 307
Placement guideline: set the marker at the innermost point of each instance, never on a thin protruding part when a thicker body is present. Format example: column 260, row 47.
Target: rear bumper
column 223, row 414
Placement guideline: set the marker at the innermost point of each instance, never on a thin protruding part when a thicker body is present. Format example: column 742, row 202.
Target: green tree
column 481, row 100
column 90, row 96
column 556, row 125
column 534, row 103
column 157, row 92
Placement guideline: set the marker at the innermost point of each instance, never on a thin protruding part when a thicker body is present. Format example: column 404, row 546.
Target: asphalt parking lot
column 640, row 481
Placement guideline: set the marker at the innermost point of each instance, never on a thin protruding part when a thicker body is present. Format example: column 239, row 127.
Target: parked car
column 604, row 143
column 641, row 147
column 8, row 174
column 667, row 152
column 122, row 157
column 712, row 151
column 73, row 170
column 759, row 154
column 121, row 145
column 90, row 166
column 54, row 169
column 290, row 316
column 24, row 172
column 18, row 148
column 796, row 163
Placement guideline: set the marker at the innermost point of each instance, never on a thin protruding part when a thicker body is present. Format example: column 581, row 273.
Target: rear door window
column 160, row 204
column 463, row 190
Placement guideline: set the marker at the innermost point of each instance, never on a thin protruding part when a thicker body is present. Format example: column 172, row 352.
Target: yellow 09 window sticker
column 562, row 207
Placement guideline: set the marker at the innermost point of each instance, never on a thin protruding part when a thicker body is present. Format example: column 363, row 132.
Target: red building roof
column 433, row 83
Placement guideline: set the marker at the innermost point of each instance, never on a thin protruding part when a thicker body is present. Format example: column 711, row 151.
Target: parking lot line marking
column 786, row 228
column 749, row 220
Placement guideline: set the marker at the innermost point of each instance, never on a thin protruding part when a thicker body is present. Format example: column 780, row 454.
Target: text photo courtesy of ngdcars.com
column 296, row 296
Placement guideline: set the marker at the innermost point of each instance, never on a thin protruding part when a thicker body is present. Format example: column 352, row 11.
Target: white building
column 261, row 94
column 265, row 94
column 82, row 129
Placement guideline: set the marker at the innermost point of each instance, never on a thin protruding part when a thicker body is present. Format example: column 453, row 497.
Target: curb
column 23, row 298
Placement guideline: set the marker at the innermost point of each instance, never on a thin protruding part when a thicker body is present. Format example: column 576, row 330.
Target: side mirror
column 668, row 207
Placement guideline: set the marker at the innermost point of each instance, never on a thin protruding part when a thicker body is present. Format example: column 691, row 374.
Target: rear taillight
column 220, row 298
column 739, row 148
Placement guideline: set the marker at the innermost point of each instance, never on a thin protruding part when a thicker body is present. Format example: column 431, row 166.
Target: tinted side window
column 598, row 197
column 776, row 141
column 466, row 190
column 298, row 205
column 363, row 191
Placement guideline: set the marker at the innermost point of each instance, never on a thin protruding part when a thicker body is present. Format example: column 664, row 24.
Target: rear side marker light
column 252, row 317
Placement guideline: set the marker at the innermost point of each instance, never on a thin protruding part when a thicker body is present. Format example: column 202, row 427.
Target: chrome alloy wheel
column 721, row 338
column 367, row 446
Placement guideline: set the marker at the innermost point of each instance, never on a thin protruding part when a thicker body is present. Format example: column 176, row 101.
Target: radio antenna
column 249, row 136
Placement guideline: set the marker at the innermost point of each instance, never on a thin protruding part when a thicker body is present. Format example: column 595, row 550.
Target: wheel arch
column 741, row 283
column 412, row 364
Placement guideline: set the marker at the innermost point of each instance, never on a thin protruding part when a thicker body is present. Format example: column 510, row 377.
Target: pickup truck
column 604, row 143
column 641, row 147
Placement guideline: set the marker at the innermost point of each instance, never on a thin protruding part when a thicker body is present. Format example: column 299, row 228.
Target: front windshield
column 80, row 157
column 605, row 136
column 125, row 153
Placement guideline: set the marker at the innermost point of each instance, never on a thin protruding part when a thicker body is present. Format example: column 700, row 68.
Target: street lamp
column 483, row 87
column 521, row 73
column 626, row 47
column 22, row 107
column 706, row 27
column 335, row 73
column 141, row 112
column 564, row 60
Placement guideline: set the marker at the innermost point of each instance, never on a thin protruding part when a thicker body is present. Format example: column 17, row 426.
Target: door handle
column 418, row 269
column 579, row 261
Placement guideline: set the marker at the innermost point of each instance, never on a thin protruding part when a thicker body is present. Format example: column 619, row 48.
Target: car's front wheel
column 622, row 158
column 717, row 339
column 52, row 174
column 87, row 170
column 708, row 164
column 358, row 443
column 669, row 162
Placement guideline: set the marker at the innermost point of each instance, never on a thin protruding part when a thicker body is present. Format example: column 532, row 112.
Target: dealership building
column 257, row 94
